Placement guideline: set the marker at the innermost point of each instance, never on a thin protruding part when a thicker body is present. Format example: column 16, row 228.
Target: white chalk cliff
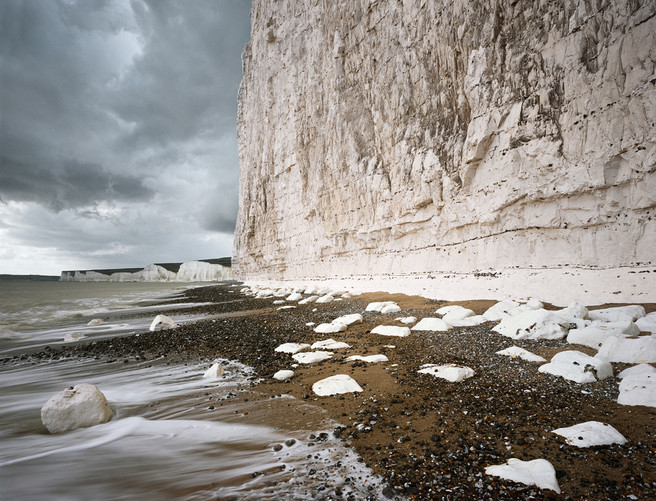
column 189, row 271
column 404, row 139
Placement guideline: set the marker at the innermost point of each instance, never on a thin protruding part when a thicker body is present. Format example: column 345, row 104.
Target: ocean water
column 173, row 434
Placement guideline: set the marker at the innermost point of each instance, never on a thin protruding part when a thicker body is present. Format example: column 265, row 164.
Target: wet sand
column 428, row 438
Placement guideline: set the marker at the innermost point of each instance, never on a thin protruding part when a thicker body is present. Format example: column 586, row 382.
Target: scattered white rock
column 467, row 321
column 538, row 472
column 575, row 313
column 390, row 308
column 450, row 372
column 591, row 433
column 294, row 296
column 380, row 305
column 287, row 307
column 307, row 300
column 533, row 324
column 283, row 375
column 638, row 386
column 330, row 344
column 369, row 358
column 310, row 324
column 330, row 328
column 639, row 370
column 348, row 319
column 633, row 313
column 81, row 406
column 96, row 321
column 281, row 293
column 279, row 301
column 74, row 336
column 532, row 304
column 325, row 299
column 391, row 330
column 336, row 385
column 454, row 313
column 347, row 295
column 517, row 352
column 629, row 350
column 292, row 347
column 431, row 324
column 598, row 331
column 312, row 357
column 499, row 310
column 161, row 322
column 578, row 367
column 215, row 371
column 391, row 346
column 647, row 323
column 310, row 290
column 407, row 320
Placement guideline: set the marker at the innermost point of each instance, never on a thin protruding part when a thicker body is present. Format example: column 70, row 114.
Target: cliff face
column 408, row 137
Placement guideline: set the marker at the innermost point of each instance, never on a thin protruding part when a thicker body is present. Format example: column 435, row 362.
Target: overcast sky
column 117, row 131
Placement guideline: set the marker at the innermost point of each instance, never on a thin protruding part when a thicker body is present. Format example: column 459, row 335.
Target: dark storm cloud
column 98, row 96
column 117, row 130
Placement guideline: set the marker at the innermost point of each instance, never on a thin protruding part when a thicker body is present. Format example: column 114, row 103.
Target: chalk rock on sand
column 454, row 313
column 539, row 472
column 215, row 371
column 161, row 322
column 450, row 372
column 369, row 358
column 283, row 375
column 383, row 307
column 578, row 367
column 336, row 385
column 391, row 330
column 633, row 313
column 312, row 357
column 353, row 318
column 533, row 324
column 598, row 331
column 647, row 323
column 638, row 386
column 330, row 344
column 431, row 324
column 629, row 350
column 81, row 406
column 291, row 347
column 591, row 433
column 517, row 352
column 330, row 328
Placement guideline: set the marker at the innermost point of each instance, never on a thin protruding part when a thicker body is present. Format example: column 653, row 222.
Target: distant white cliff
column 189, row 271
column 422, row 139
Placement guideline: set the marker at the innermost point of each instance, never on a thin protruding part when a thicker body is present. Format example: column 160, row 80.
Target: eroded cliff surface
column 408, row 137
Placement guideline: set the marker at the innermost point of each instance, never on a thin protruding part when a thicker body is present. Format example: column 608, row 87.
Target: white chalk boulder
column 312, row 357
column 533, row 324
column 499, row 311
column 216, row 371
column 578, row 367
column 370, row 359
column 538, row 472
column 598, row 331
column 294, row 296
column 330, row 344
column 161, row 322
column 95, row 321
column 81, row 406
column 325, row 299
column 407, row 320
column 354, row 318
column 450, row 372
column 283, row 375
column 633, row 313
column 336, row 385
column 467, row 321
column 381, row 305
column 647, row 323
column 291, row 347
column 431, row 324
column 638, row 386
column 630, row 350
column 307, row 300
column 454, row 313
column 330, row 328
column 391, row 330
column 590, row 434
column 517, row 352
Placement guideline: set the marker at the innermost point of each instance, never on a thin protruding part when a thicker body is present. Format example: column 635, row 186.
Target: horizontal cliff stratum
column 408, row 140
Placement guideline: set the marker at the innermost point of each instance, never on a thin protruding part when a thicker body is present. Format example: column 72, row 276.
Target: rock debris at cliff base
column 428, row 437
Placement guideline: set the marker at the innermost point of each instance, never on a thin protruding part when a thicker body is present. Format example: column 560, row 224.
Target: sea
column 160, row 443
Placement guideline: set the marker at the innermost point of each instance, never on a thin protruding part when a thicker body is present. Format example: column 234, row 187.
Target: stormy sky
column 117, row 131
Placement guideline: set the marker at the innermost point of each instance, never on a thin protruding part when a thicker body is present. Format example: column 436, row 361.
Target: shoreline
column 426, row 437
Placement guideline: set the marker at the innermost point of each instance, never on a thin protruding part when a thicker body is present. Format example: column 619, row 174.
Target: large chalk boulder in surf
column 80, row 406
column 161, row 322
